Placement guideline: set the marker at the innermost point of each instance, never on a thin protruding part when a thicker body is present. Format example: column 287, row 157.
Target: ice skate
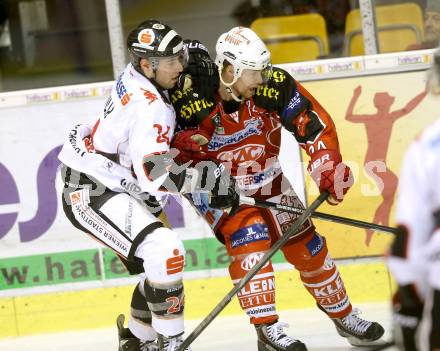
column 128, row 342
column 271, row 337
column 358, row 331
column 170, row 343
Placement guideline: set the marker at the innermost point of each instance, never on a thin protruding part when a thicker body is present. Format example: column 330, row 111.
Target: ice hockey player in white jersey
column 414, row 257
column 112, row 172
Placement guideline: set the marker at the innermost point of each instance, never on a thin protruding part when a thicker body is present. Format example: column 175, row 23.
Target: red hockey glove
column 331, row 174
column 191, row 144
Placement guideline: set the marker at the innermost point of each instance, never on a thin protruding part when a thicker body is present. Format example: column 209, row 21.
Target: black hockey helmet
column 153, row 39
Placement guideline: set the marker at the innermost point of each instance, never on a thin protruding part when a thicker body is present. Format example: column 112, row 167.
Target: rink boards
column 96, row 308
column 53, row 277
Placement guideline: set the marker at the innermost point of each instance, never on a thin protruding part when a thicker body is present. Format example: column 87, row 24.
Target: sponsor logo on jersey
column 251, row 260
column 315, row 245
column 296, row 105
column 328, row 263
column 266, row 310
column 151, row 97
column 261, row 283
column 252, row 127
column 75, row 197
column 129, row 218
column 243, row 156
column 121, row 91
column 73, row 141
column 278, row 76
column 131, row 187
column 294, row 101
column 192, row 107
column 331, row 293
column 211, row 215
column 250, row 234
column 175, row 264
column 257, row 178
column 337, row 307
column 270, row 93
column 88, row 218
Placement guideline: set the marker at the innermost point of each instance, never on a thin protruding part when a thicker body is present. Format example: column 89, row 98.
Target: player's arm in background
column 312, row 126
column 409, row 256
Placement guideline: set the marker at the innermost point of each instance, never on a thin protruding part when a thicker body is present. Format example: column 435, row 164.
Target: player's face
column 250, row 80
column 168, row 70
column 432, row 26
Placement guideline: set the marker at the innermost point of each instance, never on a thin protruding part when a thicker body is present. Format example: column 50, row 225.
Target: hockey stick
column 267, row 256
column 325, row 216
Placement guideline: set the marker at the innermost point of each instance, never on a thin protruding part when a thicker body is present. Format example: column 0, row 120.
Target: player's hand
column 201, row 73
column 216, row 180
column 331, row 174
column 191, row 144
column 224, row 196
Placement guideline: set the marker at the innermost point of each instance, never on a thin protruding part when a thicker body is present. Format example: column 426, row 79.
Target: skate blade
column 266, row 347
column 365, row 343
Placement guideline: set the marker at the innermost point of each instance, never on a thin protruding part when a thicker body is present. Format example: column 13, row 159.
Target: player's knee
column 163, row 254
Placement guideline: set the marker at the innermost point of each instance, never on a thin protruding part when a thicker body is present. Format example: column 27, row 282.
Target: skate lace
column 276, row 333
column 172, row 344
column 146, row 345
column 353, row 322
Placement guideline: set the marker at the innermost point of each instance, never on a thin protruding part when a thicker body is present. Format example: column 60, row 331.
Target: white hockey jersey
column 418, row 209
column 136, row 122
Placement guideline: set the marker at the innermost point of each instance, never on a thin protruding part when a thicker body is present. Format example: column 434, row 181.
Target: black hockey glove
column 407, row 313
column 201, row 73
column 224, row 195
column 217, row 181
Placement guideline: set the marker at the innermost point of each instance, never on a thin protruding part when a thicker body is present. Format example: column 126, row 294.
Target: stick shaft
column 267, row 256
column 319, row 215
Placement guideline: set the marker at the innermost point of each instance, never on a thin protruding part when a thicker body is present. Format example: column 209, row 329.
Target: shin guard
column 327, row 288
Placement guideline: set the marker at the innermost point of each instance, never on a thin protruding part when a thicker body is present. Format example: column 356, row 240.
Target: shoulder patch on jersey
column 190, row 107
column 279, row 76
column 295, row 106
column 122, row 93
column 149, row 96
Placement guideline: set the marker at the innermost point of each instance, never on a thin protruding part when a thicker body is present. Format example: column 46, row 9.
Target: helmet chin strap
column 235, row 97
column 228, row 86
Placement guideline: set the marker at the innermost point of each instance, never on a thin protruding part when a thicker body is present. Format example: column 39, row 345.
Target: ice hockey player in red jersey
column 414, row 258
column 239, row 124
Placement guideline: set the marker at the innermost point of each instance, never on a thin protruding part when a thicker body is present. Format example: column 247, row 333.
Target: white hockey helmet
column 242, row 48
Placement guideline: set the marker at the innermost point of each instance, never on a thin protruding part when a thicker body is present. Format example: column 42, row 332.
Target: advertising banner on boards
column 376, row 118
